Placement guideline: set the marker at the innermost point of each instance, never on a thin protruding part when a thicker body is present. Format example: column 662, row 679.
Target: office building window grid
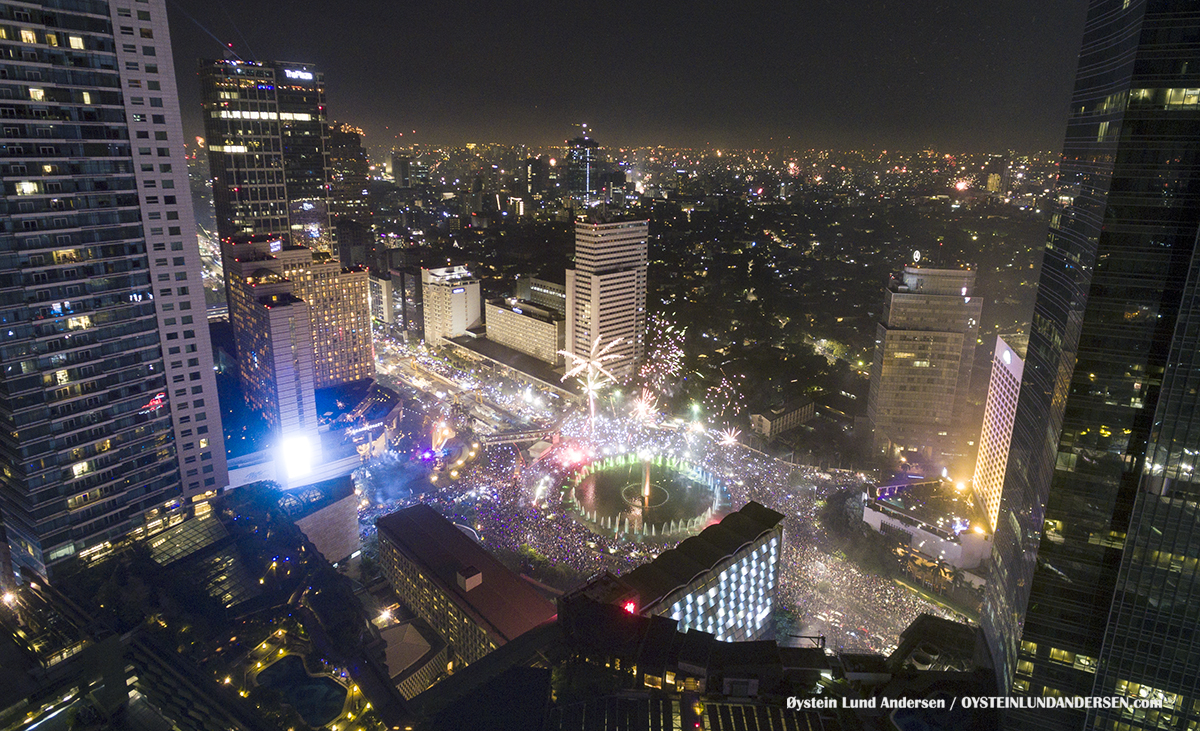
column 736, row 603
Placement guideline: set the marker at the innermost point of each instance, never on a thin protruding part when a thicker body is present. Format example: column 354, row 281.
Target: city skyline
column 986, row 78
column 340, row 436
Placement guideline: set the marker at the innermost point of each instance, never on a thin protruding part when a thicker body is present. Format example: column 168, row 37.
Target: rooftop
column 282, row 299
column 502, row 603
column 518, row 361
column 938, row 504
column 678, row 567
column 309, row 499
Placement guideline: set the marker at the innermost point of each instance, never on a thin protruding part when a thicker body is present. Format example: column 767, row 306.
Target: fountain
column 651, row 497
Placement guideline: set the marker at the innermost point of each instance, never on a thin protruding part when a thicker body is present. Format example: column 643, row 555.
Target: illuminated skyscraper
column 1095, row 569
column 606, row 291
column 267, row 138
column 998, row 417
column 583, row 170
column 924, row 352
column 338, row 329
column 108, row 399
column 348, row 172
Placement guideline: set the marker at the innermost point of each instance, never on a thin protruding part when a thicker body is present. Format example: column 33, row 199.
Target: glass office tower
column 1095, row 589
column 266, row 131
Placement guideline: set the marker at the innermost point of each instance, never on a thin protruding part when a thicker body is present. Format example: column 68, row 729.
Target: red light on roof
column 630, row 607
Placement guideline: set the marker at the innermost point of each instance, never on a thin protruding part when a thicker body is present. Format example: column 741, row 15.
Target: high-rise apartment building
column 606, row 291
column 1095, row 567
column 108, row 398
column 266, row 138
column 924, row 352
column 994, row 440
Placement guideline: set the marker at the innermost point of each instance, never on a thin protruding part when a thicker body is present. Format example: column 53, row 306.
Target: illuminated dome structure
column 644, row 496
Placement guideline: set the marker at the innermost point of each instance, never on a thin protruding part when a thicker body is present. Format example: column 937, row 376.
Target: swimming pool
column 318, row 700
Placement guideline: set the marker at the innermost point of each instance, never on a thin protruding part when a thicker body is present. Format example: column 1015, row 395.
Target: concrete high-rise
column 334, row 299
column 108, row 400
column 451, row 306
column 996, row 435
column 924, row 352
column 266, row 133
column 1095, row 575
column 606, row 291
column 273, row 333
column 339, row 303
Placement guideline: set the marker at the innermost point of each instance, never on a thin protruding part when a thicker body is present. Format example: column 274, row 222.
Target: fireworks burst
column 724, row 399
column 664, row 357
column 728, row 437
column 595, row 375
column 645, row 407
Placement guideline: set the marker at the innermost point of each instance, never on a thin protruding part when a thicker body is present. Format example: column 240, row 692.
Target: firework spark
column 724, row 399
column 645, row 407
column 664, row 357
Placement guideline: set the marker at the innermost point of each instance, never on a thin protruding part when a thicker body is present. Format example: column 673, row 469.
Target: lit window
column 27, row 187
column 76, row 42
column 28, row 36
column 38, row 95
column 87, row 98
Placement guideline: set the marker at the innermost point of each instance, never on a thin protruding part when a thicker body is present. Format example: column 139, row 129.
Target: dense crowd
column 514, row 503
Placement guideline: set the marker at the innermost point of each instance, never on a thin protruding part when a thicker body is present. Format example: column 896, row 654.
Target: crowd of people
column 514, row 502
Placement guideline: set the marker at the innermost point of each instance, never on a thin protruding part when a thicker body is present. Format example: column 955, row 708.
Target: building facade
column 383, row 309
column 924, row 352
column 408, row 299
column 1094, row 570
column 994, row 440
column 266, row 138
column 525, row 327
column 543, row 292
column 606, row 291
column 457, row 587
column 721, row 581
column 449, row 303
column 349, row 172
column 583, row 167
column 790, row 415
column 273, row 333
column 108, row 349
column 338, row 299
column 335, row 298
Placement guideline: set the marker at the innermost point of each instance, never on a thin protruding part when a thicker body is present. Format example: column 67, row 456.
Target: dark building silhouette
column 349, row 173
column 1095, row 573
column 583, row 167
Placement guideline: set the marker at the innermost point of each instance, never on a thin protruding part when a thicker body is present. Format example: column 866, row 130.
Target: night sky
column 954, row 75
